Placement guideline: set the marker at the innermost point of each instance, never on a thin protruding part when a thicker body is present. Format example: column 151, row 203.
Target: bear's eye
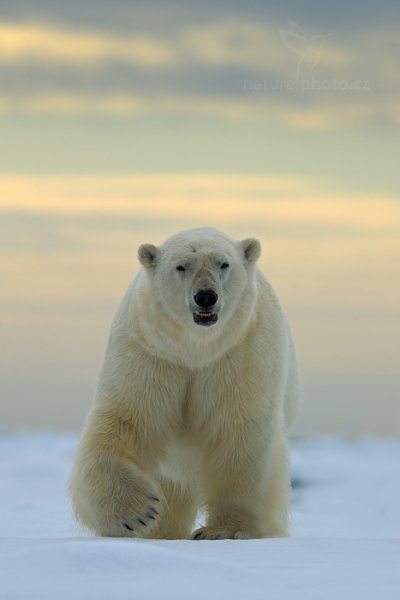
column 180, row 268
column 225, row 265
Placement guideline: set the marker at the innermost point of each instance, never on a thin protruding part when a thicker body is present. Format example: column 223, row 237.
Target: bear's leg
column 275, row 514
column 178, row 517
column 247, row 492
column 114, row 483
column 113, row 489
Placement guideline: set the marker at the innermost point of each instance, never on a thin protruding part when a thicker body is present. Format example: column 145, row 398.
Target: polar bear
column 198, row 386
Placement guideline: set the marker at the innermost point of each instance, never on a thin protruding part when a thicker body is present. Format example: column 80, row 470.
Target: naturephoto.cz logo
column 308, row 50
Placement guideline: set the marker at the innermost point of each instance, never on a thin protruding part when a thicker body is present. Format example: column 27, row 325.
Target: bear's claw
column 208, row 533
column 139, row 523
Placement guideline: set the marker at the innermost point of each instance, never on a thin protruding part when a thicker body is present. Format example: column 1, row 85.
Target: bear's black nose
column 206, row 298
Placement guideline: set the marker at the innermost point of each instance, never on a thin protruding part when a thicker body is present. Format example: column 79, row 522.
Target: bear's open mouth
column 205, row 318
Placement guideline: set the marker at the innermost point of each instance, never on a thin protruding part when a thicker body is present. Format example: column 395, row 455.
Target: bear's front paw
column 136, row 517
column 120, row 500
column 220, row 533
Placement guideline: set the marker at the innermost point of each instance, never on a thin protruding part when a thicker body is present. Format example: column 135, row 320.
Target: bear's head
column 201, row 275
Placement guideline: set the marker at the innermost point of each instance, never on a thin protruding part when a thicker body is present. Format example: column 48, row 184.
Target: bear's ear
column 251, row 249
column 147, row 255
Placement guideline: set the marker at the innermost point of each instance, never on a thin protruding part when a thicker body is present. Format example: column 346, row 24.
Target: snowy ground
column 345, row 545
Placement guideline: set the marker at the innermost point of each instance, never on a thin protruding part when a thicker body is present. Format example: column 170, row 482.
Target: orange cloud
column 53, row 45
column 291, row 200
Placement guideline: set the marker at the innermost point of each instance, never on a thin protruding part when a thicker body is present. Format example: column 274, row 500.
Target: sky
column 124, row 122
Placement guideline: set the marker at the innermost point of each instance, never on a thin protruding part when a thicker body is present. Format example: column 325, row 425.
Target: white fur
column 188, row 416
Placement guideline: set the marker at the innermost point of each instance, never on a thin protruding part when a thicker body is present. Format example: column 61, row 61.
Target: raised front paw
column 118, row 500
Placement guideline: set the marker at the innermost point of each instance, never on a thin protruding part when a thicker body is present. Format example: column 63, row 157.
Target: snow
column 345, row 544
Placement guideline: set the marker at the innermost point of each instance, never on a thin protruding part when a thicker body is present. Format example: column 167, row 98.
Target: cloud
column 259, row 104
column 35, row 43
column 291, row 200
column 229, row 43
column 254, row 46
column 230, row 68
column 263, row 48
